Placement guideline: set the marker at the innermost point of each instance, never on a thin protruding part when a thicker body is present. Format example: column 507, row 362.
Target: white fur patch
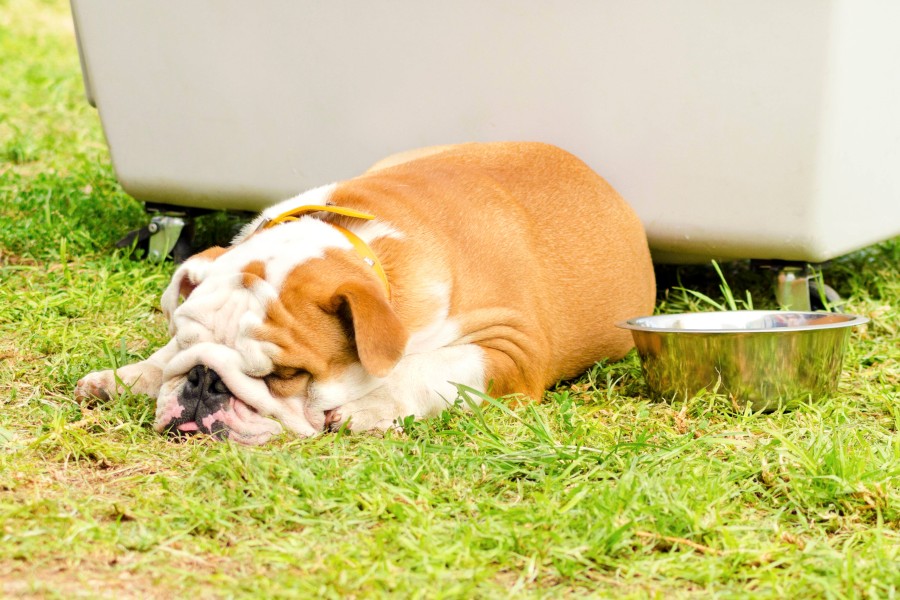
column 222, row 311
column 441, row 331
column 369, row 231
column 425, row 382
column 316, row 196
column 282, row 248
column 355, row 382
column 422, row 385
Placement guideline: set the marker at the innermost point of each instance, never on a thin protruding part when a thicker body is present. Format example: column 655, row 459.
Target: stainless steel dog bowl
column 765, row 358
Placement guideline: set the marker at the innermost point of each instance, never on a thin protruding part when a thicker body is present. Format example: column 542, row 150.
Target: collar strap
column 295, row 213
column 362, row 248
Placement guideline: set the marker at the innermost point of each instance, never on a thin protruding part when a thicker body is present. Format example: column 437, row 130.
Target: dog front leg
column 144, row 377
column 421, row 385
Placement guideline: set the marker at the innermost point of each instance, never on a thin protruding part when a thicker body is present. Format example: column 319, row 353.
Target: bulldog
column 501, row 266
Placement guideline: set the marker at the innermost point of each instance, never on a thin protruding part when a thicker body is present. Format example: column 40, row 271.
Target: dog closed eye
column 286, row 382
column 284, row 373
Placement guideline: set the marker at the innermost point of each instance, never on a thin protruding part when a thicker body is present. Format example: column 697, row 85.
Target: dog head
column 272, row 332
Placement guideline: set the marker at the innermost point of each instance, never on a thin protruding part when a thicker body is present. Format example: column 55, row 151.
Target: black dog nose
column 202, row 398
column 205, row 386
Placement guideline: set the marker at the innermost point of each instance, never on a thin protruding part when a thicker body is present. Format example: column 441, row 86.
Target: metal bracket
column 164, row 233
column 792, row 287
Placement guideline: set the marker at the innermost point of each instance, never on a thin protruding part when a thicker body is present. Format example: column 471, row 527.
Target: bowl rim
column 850, row 321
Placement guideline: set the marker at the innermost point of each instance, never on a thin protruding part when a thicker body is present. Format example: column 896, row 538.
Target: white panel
column 755, row 129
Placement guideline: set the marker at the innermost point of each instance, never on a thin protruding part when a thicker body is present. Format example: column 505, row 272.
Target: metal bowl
column 764, row 358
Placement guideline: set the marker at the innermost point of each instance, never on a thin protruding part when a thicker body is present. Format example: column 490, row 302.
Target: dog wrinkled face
column 213, row 384
column 272, row 334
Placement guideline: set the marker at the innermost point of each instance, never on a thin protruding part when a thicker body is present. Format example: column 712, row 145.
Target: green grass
column 595, row 492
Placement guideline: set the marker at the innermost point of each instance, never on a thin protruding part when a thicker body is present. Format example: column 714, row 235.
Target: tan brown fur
column 253, row 272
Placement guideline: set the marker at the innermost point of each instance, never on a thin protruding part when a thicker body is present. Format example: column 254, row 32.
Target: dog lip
column 209, row 421
column 231, row 422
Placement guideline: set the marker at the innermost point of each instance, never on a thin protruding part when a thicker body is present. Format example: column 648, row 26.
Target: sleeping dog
column 500, row 266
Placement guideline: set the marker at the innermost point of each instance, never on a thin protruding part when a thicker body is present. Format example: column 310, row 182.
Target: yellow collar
column 360, row 246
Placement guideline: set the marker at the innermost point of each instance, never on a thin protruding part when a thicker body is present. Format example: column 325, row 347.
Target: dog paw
column 364, row 415
column 99, row 384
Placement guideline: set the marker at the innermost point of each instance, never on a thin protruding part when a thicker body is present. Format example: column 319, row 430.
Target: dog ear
column 379, row 334
column 187, row 277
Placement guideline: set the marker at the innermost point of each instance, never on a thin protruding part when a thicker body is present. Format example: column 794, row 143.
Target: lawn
column 597, row 491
